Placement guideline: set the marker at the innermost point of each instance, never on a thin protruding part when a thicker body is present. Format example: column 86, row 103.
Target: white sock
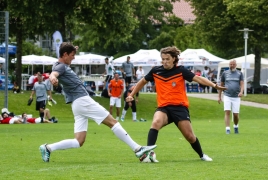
column 120, row 132
column 64, row 144
column 235, row 126
column 227, row 128
column 134, row 116
column 123, row 113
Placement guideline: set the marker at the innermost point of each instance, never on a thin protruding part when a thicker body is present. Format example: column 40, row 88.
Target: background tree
column 148, row 17
column 219, row 26
column 30, row 18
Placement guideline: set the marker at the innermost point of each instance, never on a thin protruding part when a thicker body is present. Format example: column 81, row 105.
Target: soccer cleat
column 143, row 120
column 122, row 119
column 206, row 158
column 228, row 131
column 44, row 152
column 135, row 121
column 236, row 130
column 117, row 118
column 144, row 149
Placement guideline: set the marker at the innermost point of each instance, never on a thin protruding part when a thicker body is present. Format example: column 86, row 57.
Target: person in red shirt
column 115, row 91
column 6, row 119
column 172, row 100
column 33, row 120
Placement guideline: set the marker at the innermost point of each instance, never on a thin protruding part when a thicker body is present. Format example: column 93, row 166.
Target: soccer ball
column 148, row 157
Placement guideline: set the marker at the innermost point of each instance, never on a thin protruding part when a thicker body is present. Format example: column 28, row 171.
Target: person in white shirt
column 139, row 73
column 109, row 69
column 31, row 79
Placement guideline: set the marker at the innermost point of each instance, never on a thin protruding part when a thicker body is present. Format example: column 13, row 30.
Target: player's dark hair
column 66, row 47
column 172, row 51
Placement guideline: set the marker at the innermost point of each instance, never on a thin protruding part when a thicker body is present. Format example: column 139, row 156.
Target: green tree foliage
column 148, row 16
column 252, row 15
column 30, row 18
column 219, row 22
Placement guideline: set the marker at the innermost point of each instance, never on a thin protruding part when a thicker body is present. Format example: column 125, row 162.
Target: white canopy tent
column 198, row 57
column 36, row 60
column 88, row 59
column 143, row 57
column 240, row 63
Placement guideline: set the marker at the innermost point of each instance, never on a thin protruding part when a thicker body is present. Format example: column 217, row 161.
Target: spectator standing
column 109, row 70
column 233, row 80
column 115, row 91
column 31, row 79
column 206, row 74
column 41, row 90
column 139, row 73
column 128, row 71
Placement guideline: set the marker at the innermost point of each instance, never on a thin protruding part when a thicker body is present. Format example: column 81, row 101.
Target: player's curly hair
column 173, row 51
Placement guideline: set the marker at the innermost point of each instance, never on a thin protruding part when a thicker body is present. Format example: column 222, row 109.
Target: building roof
column 184, row 11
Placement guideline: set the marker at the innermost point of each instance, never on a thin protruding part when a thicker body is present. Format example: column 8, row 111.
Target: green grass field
column 103, row 156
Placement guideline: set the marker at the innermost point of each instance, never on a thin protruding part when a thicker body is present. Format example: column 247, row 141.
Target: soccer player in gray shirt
column 233, row 80
column 128, row 71
column 83, row 107
column 41, row 88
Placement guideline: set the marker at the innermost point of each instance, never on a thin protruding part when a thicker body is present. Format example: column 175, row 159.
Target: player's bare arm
column 53, row 78
column 206, row 82
column 220, row 91
column 137, row 88
column 241, row 89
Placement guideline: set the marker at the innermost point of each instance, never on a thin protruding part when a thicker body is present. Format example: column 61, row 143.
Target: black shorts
column 175, row 113
column 40, row 104
column 128, row 79
column 108, row 78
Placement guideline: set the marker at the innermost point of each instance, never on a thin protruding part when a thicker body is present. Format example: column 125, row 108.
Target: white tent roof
column 143, row 57
column 36, row 60
column 241, row 60
column 198, row 57
column 87, row 59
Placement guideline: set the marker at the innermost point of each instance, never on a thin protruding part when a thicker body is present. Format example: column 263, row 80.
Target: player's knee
column 157, row 124
column 190, row 137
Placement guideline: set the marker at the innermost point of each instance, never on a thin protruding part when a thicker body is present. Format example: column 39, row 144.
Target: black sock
column 152, row 137
column 42, row 116
column 197, row 147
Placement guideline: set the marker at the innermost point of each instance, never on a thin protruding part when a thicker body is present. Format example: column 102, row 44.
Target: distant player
column 131, row 104
column 115, row 91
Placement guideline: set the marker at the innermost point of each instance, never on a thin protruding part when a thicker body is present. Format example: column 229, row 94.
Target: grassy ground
column 103, row 156
column 259, row 98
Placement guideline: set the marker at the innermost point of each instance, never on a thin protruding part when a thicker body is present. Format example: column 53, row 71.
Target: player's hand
column 137, row 100
column 54, row 81
column 221, row 88
column 129, row 99
column 219, row 100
